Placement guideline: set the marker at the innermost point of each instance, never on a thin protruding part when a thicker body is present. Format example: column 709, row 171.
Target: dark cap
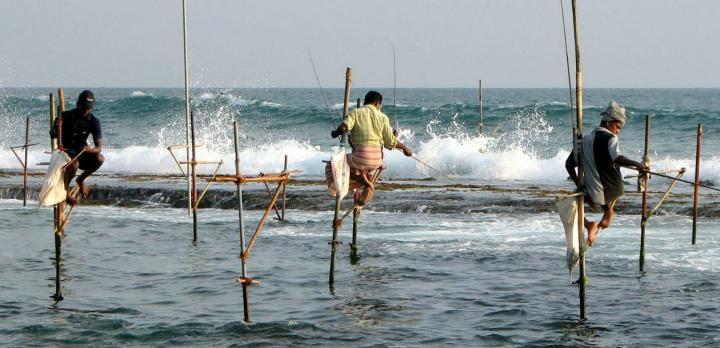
column 86, row 100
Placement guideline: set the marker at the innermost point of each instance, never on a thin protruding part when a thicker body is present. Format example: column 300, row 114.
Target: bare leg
column 70, row 171
column 592, row 228
column 92, row 166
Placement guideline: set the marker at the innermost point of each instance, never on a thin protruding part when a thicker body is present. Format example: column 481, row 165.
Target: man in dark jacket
column 77, row 125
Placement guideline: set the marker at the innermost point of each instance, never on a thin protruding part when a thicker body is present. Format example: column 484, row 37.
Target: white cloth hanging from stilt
column 53, row 188
column 341, row 172
column 567, row 208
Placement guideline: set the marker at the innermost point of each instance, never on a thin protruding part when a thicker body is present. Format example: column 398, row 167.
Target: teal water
column 132, row 277
column 438, row 266
column 526, row 137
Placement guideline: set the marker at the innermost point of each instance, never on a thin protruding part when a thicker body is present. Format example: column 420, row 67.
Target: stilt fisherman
column 77, row 125
column 370, row 131
column 602, row 161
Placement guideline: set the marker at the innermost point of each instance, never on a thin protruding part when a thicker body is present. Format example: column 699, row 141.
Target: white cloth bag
column 567, row 208
column 341, row 172
column 53, row 188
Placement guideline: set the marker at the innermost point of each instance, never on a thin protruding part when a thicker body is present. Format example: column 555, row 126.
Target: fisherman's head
column 86, row 102
column 373, row 98
column 613, row 118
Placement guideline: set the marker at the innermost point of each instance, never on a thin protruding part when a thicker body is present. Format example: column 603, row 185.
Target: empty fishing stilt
column 284, row 190
column 480, row 96
column 24, row 163
column 696, row 189
column 336, row 222
column 281, row 179
column 193, row 198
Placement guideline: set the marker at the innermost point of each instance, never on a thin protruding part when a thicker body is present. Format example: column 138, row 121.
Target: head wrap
column 614, row 112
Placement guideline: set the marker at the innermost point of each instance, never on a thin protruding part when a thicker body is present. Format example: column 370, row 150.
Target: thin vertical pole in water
column 193, row 167
column 187, row 104
column 644, row 183
column 284, row 193
column 244, row 280
column 697, row 181
column 357, row 104
column 52, row 119
column 480, row 96
column 25, row 164
column 336, row 221
column 354, row 245
column 60, row 207
column 581, row 170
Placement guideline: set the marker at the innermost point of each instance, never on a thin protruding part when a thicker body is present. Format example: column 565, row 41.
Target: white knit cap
column 614, row 112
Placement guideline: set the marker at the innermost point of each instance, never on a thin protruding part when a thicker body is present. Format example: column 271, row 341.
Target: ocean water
column 440, row 264
column 527, row 133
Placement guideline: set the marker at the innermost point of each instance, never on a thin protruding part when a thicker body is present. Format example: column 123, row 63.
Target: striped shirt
column 370, row 127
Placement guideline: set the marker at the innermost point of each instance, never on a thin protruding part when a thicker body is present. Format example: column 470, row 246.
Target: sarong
column 363, row 159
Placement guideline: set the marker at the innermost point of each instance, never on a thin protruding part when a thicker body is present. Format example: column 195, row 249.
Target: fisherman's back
column 370, row 127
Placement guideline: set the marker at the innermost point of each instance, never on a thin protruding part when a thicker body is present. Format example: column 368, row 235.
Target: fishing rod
column 397, row 128
column 567, row 63
column 436, row 170
column 674, row 178
column 322, row 91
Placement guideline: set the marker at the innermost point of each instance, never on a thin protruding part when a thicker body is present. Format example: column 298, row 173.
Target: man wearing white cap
column 602, row 161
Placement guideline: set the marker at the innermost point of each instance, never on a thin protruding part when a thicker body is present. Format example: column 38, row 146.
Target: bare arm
column 570, row 165
column 406, row 150
column 626, row 162
column 98, row 146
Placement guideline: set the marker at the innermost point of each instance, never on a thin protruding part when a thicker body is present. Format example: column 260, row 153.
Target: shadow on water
column 578, row 331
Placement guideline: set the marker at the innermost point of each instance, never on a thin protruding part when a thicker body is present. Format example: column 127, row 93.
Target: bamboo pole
column 284, row 190
column 697, row 182
column 343, row 141
column 245, row 283
column 644, row 186
column 60, row 207
column 52, row 120
column 581, row 171
column 480, row 96
column 193, row 170
column 187, row 104
column 25, row 164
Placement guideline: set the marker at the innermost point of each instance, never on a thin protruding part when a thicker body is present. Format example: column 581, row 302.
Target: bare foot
column 366, row 196
column 592, row 233
column 71, row 200
column 84, row 189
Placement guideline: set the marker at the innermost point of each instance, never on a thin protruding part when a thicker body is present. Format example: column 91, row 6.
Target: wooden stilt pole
column 358, row 105
column 187, row 105
column 244, row 281
column 480, row 95
column 25, row 164
column 193, row 170
column 284, row 190
column 60, row 207
column 354, row 244
column 697, row 181
column 581, row 171
column 644, row 187
column 336, row 224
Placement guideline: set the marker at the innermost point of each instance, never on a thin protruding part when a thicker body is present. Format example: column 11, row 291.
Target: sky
column 449, row 43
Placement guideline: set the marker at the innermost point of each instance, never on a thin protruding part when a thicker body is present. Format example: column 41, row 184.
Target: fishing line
column 322, row 91
column 567, row 62
column 397, row 128
column 677, row 179
column 436, row 170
